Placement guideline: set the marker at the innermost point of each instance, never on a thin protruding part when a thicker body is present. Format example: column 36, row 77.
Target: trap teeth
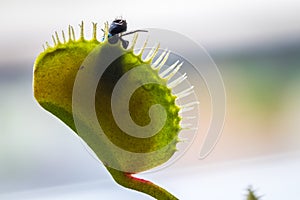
column 143, row 48
column 183, row 110
column 159, row 66
column 159, row 59
column 81, row 31
column 94, row 31
column 185, row 92
column 152, row 53
column 190, row 104
column 164, row 73
column 177, row 81
column 63, row 35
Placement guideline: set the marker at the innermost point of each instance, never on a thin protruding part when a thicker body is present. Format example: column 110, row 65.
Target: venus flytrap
column 58, row 72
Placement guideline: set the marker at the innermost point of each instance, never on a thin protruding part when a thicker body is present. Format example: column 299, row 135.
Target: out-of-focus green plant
column 251, row 194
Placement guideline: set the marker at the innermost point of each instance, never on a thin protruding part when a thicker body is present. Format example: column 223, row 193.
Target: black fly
column 116, row 28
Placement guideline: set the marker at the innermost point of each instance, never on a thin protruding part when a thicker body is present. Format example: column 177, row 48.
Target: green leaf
column 65, row 74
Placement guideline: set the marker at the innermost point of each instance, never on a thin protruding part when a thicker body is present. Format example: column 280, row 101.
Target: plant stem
column 147, row 187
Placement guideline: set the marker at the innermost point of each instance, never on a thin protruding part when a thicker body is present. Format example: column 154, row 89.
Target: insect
column 116, row 30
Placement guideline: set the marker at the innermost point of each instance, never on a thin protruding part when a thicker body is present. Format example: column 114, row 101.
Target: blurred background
column 256, row 46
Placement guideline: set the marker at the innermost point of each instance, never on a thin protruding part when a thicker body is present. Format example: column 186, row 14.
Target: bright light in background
column 256, row 45
column 25, row 25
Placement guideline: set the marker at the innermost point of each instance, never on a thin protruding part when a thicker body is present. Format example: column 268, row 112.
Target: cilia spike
column 64, row 37
column 152, row 53
column 94, row 31
column 161, row 64
column 185, row 92
column 57, row 38
column 159, row 59
column 81, row 31
column 177, row 81
column 143, row 48
column 70, row 33
column 164, row 73
column 190, row 104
